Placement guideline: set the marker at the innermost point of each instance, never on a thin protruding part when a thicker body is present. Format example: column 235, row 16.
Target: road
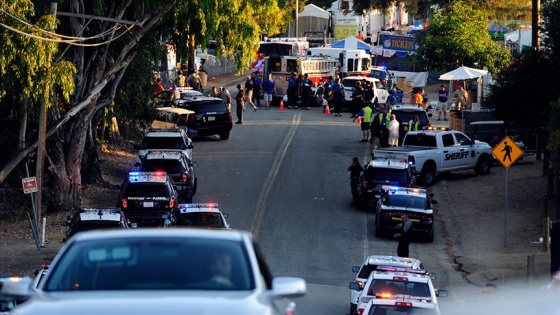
column 283, row 176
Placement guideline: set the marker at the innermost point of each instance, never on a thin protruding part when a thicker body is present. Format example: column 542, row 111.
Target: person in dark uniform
column 383, row 118
column 306, row 85
column 293, row 87
column 239, row 99
column 355, row 170
column 338, row 97
column 405, row 228
column 357, row 100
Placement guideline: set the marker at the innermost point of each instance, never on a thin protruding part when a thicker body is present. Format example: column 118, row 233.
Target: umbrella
column 463, row 73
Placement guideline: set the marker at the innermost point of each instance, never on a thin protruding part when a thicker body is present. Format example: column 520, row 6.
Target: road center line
column 269, row 182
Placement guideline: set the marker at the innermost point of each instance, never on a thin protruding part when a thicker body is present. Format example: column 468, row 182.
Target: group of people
column 381, row 129
column 250, row 94
column 461, row 97
column 299, row 86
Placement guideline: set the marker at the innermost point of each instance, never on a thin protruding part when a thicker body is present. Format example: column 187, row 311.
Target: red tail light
column 230, row 117
column 171, row 203
column 411, row 160
column 184, row 177
column 124, row 202
column 360, row 311
column 406, row 304
column 365, row 183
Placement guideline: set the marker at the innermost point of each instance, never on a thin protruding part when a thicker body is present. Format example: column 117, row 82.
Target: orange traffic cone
column 358, row 121
column 282, row 104
column 327, row 110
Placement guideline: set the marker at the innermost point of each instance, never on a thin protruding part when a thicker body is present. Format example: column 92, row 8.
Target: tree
column 459, row 36
column 101, row 49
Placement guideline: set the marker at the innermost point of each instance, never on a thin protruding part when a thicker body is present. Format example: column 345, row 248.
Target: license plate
column 148, row 204
column 211, row 118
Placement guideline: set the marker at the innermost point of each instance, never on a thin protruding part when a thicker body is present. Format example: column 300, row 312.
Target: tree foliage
column 459, row 36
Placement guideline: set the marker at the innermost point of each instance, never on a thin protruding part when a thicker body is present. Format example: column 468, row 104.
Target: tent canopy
column 314, row 11
column 352, row 43
column 463, row 73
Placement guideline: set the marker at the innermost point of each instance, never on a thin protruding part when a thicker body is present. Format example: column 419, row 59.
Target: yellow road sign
column 507, row 152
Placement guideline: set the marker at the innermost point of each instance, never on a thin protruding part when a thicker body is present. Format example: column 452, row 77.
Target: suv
column 165, row 139
column 415, row 202
column 202, row 215
column 370, row 264
column 381, row 172
column 211, row 116
column 380, row 95
column 92, row 219
column 406, row 113
column 384, row 76
column 388, row 282
column 148, row 198
column 177, row 166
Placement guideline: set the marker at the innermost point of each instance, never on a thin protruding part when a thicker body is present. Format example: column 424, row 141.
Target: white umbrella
column 463, row 73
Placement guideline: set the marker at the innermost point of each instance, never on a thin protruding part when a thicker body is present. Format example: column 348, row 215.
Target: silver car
column 162, row 271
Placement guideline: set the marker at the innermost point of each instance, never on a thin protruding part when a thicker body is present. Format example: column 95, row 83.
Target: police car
column 416, row 202
column 389, row 282
column 370, row 264
column 165, row 139
column 400, row 306
column 379, row 172
column 92, row 219
column 202, row 215
column 11, row 301
column 148, row 198
column 178, row 167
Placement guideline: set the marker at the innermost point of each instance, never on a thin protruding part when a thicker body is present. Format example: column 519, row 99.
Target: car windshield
column 406, row 201
column 163, row 165
column 96, row 225
column 138, row 263
column 163, row 143
column 397, row 287
column 202, row 219
column 400, row 310
column 420, row 140
column 146, row 190
column 349, row 83
column 386, row 175
column 380, row 74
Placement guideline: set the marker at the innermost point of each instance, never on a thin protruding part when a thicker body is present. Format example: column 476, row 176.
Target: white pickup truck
column 439, row 151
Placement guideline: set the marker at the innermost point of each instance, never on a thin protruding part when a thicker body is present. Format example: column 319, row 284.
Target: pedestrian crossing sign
column 507, row 152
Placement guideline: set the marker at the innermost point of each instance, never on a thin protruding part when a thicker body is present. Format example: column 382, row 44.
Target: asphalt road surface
column 283, row 176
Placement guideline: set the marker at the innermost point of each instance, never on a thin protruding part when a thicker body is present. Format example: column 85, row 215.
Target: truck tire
column 483, row 165
column 428, row 174
column 378, row 232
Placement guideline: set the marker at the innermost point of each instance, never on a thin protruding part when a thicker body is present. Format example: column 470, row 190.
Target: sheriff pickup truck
column 437, row 151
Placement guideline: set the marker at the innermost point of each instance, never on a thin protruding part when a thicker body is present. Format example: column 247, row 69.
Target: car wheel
column 353, row 308
column 483, row 165
column 195, row 186
column 430, row 237
column 377, row 228
column 224, row 135
column 428, row 174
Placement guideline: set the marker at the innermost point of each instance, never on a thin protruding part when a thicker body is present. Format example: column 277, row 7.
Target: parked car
column 211, row 116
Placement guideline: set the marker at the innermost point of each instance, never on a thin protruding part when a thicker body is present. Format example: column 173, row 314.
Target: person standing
column 194, row 81
column 239, row 99
column 414, row 124
column 355, row 170
column 269, row 88
column 293, row 87
column 338, row 97
column 159, row 86
column 418, row 98
column 224, row 95
column 306, row 85
column 257, row 83
column 462, row 97
column 394, row 132
column 443, row 97
column 384, row 118
column 403, row 234
column 214, row 92
column 182, row 79
column 328, row 93
column 365, row 114
column 357, row 100
column 248, row 97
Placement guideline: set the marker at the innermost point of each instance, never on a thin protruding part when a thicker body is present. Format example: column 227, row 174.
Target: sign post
column 29, row 185
column 507, row 153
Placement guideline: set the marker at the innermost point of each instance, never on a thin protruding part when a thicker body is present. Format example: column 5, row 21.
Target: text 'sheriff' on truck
column 438, row 151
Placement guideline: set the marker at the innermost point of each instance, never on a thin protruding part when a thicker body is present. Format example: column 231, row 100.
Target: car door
column 451, row 152
column 381, row 93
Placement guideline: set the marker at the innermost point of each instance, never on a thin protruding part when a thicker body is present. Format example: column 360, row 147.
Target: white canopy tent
column 312, row 18
column 463, row 73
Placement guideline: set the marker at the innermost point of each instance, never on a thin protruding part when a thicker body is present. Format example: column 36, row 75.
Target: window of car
column 163, row 142
column 420, row 140
column 462, row 139
column 387, row 175
column 146, row 190
column 448, row 140
column 408, row 115
column 147, row 263
column 165, row 165
column 406, row 201
column 202, row 219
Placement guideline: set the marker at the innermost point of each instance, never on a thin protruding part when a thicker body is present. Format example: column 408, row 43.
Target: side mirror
column 356, row 269
column 190, row 146
column 225, row 215
column 195, row 164
column 355, row 286
column 442, row 293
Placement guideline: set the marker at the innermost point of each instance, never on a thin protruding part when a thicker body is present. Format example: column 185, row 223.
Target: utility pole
column 297, row 19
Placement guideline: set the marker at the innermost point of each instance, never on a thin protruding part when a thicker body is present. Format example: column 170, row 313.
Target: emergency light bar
column 401, row 269
column 437, row 128
column 394, row 189
column 198, row 205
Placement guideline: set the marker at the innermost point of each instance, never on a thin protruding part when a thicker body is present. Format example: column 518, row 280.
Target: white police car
column 165, row 139
column 370, row 264
column 202, row 215
column 400, row 306
column 93, row 219
column 416, row 202
column 398, row 283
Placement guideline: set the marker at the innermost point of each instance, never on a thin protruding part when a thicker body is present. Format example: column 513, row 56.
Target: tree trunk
column 91, row 170
column 192, row 50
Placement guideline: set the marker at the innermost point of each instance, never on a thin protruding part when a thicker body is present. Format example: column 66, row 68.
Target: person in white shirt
column 393, row 132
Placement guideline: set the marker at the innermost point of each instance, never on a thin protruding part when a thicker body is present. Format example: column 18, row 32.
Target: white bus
column 351, row 61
